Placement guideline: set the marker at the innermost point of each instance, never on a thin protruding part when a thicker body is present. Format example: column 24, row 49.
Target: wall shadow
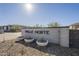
column 53, row 49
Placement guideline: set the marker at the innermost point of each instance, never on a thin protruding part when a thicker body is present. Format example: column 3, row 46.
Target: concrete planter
column 42, row 43
column 28, row 40
column 20, row 38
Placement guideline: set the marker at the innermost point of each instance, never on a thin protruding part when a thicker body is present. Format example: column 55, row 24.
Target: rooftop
column 75, row 24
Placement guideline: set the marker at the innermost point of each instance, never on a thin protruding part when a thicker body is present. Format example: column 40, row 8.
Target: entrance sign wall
column 58, row 35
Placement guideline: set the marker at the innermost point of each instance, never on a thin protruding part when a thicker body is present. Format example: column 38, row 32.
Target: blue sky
column 64, row 14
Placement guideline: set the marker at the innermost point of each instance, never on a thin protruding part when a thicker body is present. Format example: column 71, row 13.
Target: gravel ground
column 12, row 48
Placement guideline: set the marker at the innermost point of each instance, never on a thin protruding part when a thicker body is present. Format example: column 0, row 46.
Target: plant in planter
column 42, row 42
column 28, row 39
column 19, row 38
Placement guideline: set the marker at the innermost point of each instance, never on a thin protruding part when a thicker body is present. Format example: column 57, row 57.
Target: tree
column 53, row 24
column 16, row 28
column 38, row 25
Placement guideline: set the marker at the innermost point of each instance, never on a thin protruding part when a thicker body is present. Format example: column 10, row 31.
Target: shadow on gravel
column 53, row 49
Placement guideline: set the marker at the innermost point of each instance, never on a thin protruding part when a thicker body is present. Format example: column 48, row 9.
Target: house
column 1, row 30
column 6, row 28
column 12, row 28
column 74, row 26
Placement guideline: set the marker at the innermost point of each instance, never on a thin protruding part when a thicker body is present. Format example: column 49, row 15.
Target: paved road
column 9, row 36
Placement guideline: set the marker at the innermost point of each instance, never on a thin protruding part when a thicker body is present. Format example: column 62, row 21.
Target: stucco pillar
column 64, row 37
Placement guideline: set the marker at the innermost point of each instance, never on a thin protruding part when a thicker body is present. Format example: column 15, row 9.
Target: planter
column 42, row 42
column 20, row 38
column 28, row 40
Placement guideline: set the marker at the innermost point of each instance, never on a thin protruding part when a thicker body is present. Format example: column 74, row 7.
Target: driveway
column 9, row 36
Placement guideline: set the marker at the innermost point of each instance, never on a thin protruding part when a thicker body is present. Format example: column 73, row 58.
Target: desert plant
column 42, row 40
column 53, row 24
